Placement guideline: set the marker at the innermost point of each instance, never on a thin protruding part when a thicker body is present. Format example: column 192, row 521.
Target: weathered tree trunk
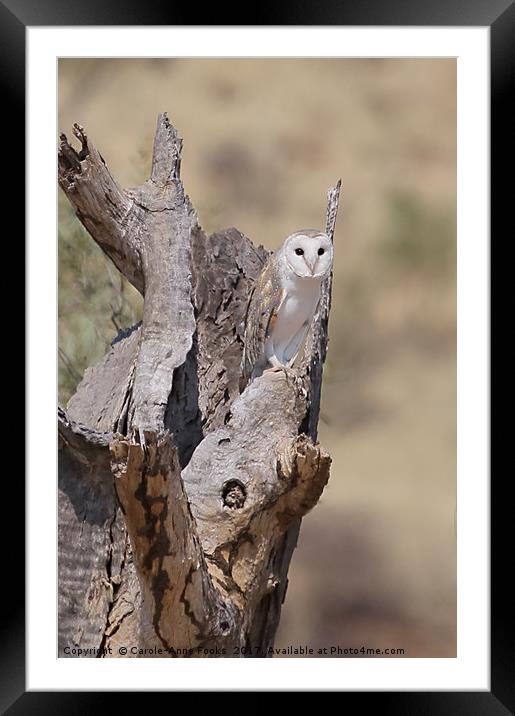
column 180, row 500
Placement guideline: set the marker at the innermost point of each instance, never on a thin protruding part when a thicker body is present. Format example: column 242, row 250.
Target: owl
column 284, row 301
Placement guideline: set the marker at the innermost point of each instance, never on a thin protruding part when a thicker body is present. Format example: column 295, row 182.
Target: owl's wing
column 264, row 303
column 293, row 347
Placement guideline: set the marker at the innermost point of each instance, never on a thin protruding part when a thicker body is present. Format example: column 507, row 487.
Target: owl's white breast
column 294, row 317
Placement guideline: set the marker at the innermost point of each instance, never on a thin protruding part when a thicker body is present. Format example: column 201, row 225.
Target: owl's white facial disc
column 309, row 253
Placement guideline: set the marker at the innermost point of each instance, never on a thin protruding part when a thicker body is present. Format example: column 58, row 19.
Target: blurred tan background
column 263, row 141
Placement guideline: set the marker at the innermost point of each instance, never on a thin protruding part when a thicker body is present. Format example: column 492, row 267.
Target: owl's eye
column 299, row 252
column 321, row 251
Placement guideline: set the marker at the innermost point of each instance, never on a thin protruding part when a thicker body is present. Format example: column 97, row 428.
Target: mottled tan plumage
column 264, row 302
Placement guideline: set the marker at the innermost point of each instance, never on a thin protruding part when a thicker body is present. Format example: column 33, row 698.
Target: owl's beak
column 311, row 265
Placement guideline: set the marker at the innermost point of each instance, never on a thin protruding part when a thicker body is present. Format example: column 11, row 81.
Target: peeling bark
column 184, row 497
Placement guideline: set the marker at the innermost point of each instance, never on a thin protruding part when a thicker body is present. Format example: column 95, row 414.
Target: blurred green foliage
column 419, row 237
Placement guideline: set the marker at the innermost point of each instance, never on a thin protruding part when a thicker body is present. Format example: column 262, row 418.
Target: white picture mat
column 470, row 670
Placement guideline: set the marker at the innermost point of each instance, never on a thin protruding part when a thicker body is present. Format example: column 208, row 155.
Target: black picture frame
column 499, row 15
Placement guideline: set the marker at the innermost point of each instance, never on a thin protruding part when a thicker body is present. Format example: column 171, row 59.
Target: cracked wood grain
column 181, row 606
column 168, row 316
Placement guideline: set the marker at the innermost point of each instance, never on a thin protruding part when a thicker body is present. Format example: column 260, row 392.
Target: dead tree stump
column 180, row 500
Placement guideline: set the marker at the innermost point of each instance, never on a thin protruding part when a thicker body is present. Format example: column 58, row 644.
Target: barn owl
column 284, row 301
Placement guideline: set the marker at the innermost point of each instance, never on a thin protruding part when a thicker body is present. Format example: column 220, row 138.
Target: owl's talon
column 276, row 371
column 290, row 375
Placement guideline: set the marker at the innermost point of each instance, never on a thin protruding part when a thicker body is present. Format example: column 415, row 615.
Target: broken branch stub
column 212, row 485
column 103, row 207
